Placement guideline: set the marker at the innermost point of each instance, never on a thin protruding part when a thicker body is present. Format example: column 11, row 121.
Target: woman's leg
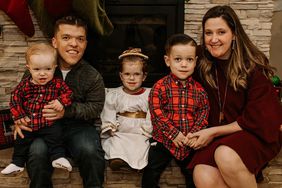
column 206, row 176
column 232, row 168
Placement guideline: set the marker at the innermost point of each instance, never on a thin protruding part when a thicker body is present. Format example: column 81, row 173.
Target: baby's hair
column 178, row 39
column 41, row 48
column 133, row 55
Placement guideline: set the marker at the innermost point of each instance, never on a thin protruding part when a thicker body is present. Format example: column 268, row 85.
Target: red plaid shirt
column 29, row 99
column 176, row 108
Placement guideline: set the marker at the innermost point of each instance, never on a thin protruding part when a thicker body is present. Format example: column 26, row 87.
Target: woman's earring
column 233, row 44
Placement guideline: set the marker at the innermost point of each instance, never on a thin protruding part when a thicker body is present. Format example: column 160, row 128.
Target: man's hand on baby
column 56, row 105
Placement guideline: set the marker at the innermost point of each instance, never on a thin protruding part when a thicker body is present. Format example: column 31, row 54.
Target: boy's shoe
column 62, row 163
column 117, row 164
column 11, row 168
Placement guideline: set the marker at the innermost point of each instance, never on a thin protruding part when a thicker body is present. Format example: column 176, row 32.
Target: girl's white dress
column 131, row 140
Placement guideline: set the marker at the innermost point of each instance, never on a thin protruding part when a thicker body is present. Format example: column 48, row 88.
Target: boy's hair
column 133, row 55
column 41, row 48
column 70, row 20
column 178, row 39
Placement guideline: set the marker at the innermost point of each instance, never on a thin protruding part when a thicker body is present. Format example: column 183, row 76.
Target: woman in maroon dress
column 245, row 114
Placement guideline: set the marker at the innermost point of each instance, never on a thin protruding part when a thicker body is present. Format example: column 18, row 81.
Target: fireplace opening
column 140, row 23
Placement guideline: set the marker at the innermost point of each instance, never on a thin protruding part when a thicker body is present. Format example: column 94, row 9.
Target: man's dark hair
column 70, row 20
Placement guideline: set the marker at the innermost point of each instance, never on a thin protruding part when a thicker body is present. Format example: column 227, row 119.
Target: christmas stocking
column 18, row 11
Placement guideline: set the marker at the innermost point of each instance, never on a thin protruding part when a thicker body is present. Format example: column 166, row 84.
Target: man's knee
column 88, row 147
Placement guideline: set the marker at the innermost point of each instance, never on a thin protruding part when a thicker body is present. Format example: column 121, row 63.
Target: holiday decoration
column 277, row 86
column 48, row 11
column 276, row 80
column 93, row 12
column 18, row 11
column 45, row 21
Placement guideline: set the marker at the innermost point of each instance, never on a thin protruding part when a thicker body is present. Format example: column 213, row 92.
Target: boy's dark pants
column 158, row 160
column 51, row 135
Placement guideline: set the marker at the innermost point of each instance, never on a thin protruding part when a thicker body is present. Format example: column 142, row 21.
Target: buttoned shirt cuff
column 171, row 133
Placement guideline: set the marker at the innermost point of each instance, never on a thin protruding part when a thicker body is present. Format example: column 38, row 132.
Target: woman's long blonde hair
column 245, row 56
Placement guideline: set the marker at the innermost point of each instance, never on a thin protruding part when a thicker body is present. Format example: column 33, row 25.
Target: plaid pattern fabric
column 176, row 108
column 6, row 133
column 29, row 99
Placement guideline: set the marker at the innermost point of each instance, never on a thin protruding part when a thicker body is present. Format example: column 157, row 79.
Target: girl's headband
column 133, row 52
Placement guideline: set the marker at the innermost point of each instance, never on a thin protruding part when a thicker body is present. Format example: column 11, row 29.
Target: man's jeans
column 84, row 147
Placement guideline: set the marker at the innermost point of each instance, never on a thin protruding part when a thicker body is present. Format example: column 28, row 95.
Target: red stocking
column 18, row 11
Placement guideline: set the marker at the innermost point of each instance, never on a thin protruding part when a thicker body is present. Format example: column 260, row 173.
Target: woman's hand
column 22, row 124
column 191, row 141
column 204, row 137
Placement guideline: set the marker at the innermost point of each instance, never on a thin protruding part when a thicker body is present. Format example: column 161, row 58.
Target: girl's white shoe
column 12, row 168
column 62, row 163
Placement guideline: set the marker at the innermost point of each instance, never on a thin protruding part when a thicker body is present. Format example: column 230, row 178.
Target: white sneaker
column 11, row 168
column 62, row 163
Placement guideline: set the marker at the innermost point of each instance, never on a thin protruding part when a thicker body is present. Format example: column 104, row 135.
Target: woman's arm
column 205, row 136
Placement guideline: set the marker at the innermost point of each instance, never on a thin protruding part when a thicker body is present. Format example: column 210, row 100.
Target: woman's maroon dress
column 257, row 110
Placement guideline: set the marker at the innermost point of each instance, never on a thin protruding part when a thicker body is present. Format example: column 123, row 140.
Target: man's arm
column 94, row 98
column 88, row 96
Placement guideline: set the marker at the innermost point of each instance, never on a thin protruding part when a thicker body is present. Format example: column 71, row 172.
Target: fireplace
column 139, row 23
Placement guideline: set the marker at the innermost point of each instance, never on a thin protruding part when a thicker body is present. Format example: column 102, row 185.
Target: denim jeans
column 84, row 147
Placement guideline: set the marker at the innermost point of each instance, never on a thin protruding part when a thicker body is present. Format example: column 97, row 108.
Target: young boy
column 27, row 102
column 178, row 106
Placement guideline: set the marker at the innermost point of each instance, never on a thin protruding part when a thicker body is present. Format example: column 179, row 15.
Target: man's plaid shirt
column 175, row 108
column 29, row 99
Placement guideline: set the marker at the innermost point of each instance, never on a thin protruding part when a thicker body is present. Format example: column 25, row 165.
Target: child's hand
column 23, row 121
column 204, row 137
column 110, row 132
column 56, row 105
column 179, row 140
column 21, row 124
column 189, row 139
